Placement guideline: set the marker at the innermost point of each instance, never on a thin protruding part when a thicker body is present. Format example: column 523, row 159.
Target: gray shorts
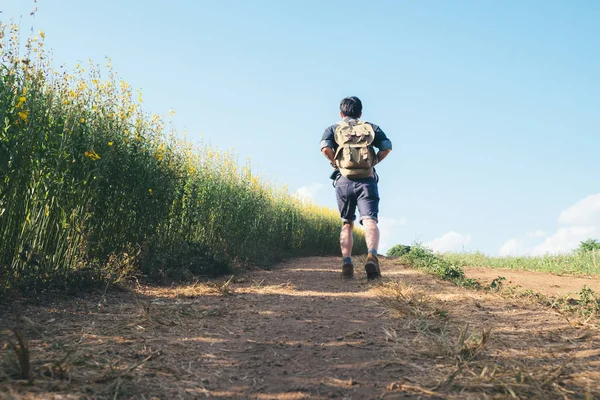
column 360, row 192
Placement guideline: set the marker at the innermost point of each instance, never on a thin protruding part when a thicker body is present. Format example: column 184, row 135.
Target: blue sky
column 493, row 107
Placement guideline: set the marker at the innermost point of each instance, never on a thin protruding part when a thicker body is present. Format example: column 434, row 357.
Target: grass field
column 92, row 186
column 585, row 260
column 577, row 263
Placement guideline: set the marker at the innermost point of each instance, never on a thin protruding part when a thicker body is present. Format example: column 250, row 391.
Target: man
column 349, row 147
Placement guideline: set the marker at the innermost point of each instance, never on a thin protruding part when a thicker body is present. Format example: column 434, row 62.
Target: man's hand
column 328, row 153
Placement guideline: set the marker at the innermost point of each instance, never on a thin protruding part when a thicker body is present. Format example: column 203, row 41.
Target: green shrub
column 589, row 245
column 398, row 250
column 425, row 259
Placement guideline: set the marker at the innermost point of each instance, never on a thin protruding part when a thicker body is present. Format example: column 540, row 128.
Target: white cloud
column 564, row 240
column 536, row 234
column 307, row 193
column 511, row 247
column 451, row 241
column 584, row 212
column 582, row 220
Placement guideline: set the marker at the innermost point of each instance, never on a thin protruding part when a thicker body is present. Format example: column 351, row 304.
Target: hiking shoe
column 347, row 271
column 372, row 267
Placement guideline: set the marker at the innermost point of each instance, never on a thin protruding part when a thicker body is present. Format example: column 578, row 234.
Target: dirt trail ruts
column 296, row 332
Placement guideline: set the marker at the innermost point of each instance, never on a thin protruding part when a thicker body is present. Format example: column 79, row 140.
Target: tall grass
column 577, row 263
column 89, row 183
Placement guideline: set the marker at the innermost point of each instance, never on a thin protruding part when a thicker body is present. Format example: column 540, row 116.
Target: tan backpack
column 355, row 156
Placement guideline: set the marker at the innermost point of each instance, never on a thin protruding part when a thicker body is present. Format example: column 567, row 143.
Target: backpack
column 355, row 156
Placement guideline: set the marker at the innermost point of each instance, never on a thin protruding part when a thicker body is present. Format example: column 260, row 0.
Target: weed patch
column 425, row 259
column 406, row 301
column 583, row 310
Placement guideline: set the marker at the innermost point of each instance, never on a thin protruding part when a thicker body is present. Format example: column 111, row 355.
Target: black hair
column 351, row 107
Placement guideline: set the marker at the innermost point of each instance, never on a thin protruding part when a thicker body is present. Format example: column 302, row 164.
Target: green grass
column 426, row 260
column 577, row 263
column 92, row 186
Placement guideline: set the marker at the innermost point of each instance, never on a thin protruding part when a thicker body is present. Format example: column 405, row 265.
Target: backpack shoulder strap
column 366, row 130
column 342, row 125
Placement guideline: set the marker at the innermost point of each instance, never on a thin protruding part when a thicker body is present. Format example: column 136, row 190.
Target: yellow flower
column 82, row 120
column 42, row 34
column 110, row 143
column 92, row 155
column 21, row 101
column 23, row 115
column 171, row 112
column 150, row 192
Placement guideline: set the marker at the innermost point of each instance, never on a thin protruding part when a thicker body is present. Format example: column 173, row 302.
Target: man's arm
column 328, row 145
column 381, row 154
column 382, row 143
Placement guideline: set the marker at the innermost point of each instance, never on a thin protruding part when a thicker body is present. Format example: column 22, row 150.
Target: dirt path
column 300, row 332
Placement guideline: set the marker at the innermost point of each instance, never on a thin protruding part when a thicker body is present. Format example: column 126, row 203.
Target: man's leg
column 372, row 234
column 346, row 240
column 372, row 238
column 347, row 206
column 368, row 205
